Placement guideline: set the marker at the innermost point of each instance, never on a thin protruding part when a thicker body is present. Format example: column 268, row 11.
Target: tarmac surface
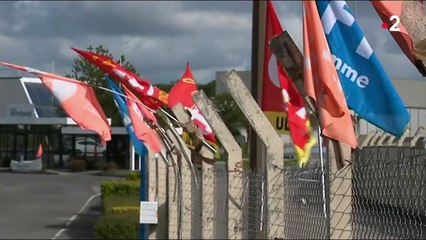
column 49, row 206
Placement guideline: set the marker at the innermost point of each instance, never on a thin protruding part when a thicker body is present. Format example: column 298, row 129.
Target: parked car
column 89, row 147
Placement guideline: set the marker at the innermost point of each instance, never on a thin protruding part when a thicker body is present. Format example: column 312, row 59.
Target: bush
column 115, row 187
column 133, row 176
column 113, row 201
column 117, row 226
column 93, row 165
column 77, row 165
column 109, row 166
column 125, row 209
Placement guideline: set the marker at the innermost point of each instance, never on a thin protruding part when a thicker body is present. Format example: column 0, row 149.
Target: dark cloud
column 158, row 38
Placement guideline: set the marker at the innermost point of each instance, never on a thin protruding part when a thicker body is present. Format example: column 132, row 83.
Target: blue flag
column 368, row 89
column 120, row 101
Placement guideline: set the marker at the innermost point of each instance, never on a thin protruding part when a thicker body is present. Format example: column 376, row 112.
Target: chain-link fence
column 380, row 195
column 389, row 193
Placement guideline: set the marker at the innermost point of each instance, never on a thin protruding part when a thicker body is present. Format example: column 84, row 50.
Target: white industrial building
column 412, row 92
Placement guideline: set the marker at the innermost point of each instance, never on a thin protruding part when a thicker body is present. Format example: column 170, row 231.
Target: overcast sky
column 158, row 37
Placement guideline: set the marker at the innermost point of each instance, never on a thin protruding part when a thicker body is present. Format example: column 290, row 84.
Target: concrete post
column 234, row 161
column 274, row 200
column 152, row 188
column 162, row 193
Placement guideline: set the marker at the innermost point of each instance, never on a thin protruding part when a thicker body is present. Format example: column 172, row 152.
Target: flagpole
column 257, row 54
column 143, row 227
column 322, row 171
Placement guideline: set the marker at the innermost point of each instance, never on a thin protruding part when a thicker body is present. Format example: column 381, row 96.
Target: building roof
column 18, row 96
column 25, row 100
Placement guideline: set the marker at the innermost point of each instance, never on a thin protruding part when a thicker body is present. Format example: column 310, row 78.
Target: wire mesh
column 389, row 193
column 207, row 178
column 197, row 203
column 187, row 184
column 381, row 195
column 305, row 209
column 253, row 205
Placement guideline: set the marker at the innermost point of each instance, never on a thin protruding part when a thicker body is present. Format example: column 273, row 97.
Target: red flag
column 76, row 98
column 150, row 95
column 39, row 151
column 271, row 88
column 182, row 93
column 138, row 113
column 294, row 105
column 322, row 82
column 407, row 27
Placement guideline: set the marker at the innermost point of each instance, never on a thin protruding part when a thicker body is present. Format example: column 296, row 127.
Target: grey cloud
column 230, row 7
column 158, row 38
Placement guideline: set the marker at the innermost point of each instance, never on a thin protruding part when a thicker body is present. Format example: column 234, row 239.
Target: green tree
column 166, row 86
column 230, row 113
column 85, row 71
column 208, row 88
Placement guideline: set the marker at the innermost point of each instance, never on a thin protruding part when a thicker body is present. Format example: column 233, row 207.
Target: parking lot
column 48, row 206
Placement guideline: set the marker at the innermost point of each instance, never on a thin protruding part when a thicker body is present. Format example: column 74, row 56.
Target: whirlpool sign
column 20, row 111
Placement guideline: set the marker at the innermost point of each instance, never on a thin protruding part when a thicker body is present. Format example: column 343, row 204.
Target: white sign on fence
column 148, row 213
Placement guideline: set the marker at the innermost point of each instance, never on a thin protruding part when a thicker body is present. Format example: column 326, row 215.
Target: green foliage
column 117, row 226
column 166, row 86
column 93, row 164
column 77, row 165
column 208, row 88
column 112, row 201
column 133, row 176
column 85, row 71
column 230, row 113
column 116, row 187
column 124, row 209
column 110, row 166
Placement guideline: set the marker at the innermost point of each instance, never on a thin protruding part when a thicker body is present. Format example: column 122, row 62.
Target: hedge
column 133, row 176
column 125, row 209
column 117, row 226
column 116, row 187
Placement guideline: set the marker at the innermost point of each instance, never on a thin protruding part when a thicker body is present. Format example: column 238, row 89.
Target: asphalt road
column 48, row 206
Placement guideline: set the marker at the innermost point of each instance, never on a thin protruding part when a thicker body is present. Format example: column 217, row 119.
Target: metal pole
column 132, row 157
column 257, row 54
column 322, row 171
column 256, row 153
column 143, row 195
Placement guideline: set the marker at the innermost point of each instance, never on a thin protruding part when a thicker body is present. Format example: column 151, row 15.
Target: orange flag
column 322, row 82
column 150, row 95
column 182, row 93
column 138, row 113
column 76, row 98
column 294, row 105
column 39, row 151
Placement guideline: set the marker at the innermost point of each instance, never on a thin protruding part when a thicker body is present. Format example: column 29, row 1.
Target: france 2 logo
column 394, row 27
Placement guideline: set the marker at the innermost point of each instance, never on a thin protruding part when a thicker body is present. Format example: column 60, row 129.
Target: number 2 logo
column 394, row 27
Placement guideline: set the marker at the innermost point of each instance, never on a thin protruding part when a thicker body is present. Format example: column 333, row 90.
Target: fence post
column 173, row 186
column 235, row 182
column 340, row 198
column 187, row 175
column 152, row 188
column 274, row 153
column 162, row 197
